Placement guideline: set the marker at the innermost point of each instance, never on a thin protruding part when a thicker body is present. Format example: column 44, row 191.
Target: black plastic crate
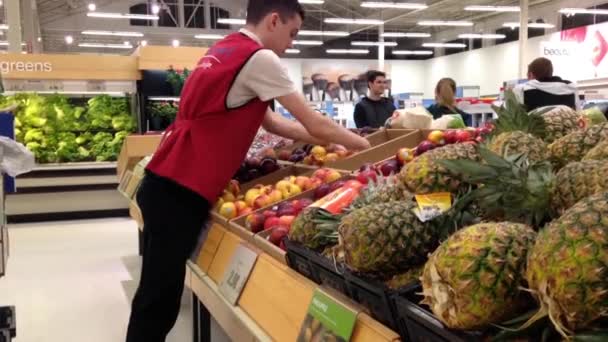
column 329, row 273
column 5, row 335
column 7, row 319
column 299, row 258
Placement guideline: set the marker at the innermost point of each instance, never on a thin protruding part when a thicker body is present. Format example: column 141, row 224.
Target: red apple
column 271, row 222
column 463, row 135
column 315, row 183
column 262, row 201
column 365, row 176
column 336, row 185
column 287, row 220
column 269, row 213
column 245, row 211
column 320, row 174
column 284, row 155
column 322, row 191
column 287, row 211
column 450, row 137
column 277, row 235
column 424, row 147
column 255, row 222
column 389, row 167
column 303, row 182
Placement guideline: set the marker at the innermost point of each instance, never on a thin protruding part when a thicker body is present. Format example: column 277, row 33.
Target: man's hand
column 276, row 124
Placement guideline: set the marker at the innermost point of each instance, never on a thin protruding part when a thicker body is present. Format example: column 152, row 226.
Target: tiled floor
column 73, row 281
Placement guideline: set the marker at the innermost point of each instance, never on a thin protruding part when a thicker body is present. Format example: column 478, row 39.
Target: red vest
column 205, row 146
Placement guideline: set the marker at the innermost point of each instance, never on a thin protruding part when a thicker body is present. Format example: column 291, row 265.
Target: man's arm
column 276, row 124
column 321, row 127
column 360, row 117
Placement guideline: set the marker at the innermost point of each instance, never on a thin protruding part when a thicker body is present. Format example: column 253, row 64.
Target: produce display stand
column 272, row 304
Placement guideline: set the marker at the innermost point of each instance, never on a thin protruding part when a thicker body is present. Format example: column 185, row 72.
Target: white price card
column 237, row 273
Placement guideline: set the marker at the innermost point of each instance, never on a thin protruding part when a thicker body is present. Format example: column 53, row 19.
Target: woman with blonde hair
column 445, row 97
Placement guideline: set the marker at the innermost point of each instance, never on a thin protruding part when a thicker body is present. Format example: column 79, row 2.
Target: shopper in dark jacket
column 374, row 109
column 445, row 97
column 544, row 89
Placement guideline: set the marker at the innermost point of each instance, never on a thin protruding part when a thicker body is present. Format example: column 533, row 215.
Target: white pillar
column 381, row 48
column 31, row 27
column 523, row 37
column 181, row 14
column 13, row 16
column 207, row 14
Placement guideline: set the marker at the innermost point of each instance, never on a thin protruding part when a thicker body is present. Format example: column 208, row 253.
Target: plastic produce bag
column 411, row 118
column 15, row 159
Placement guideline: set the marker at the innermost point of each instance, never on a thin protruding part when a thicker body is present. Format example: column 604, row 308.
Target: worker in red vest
column 224, row 102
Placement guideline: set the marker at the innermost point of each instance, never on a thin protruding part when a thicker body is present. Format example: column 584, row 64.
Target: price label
column 432, row 205
column 96, row 86
column 328, row 319
column 237, row 273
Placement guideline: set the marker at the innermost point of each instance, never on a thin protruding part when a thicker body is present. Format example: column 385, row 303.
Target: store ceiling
column 59, row 18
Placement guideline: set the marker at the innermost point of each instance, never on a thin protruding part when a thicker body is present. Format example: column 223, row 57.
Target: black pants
column 173, row 220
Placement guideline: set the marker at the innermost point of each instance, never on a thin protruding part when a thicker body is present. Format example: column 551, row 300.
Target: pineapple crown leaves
column 511, row 188
column 512, row 116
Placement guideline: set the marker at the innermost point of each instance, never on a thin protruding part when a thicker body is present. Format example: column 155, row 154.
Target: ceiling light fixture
column 308, row 42
column 92, row 7
column 445, row 45
column 143, row 43
column 493, row 8
column 112, row 33
column 324, row 33
column 155, row 9
column 231, row 21
column 209, row 36
column 292, row 51
column 414, row 52
column 69, row 40
column 583, row 11
column 399, row 5
column 106, row 46
column 444, row 23
column 348, row 51
column 106, row 15
column 3, row 27
column 312, row 2
column 5, row 43
column 175, row 43
column 405, row 35
column 353, row 21
column 531, row 25
column 481, row 36
column 360, row 43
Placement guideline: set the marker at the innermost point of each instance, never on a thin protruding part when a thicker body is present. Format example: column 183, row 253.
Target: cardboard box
column 380, row 152
column 134, row 149
column 385, row 135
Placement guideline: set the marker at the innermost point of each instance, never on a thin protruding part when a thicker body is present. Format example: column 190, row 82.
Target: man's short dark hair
column 373, row 74
column 287, row 9
column 541, row 68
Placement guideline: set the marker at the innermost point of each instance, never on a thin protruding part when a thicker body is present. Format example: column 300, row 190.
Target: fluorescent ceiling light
column 3, row 27
column 444, row 23
column 415, row 52
column 406, row 35
column 359, row 43
column 232, row 21
column 583, row 11
column 292, row 51
column 69, row 40
column 400, row 5
column 143, row 43
column 445, row 45
column 307, row 42
column 105, row 46
column 209, row 36
column 112, row 33
column 92, row 7
column 5, row 43
column 155, row 9
column 493, row 8
column 353, row 21
column 481, row 36
column 106, row 15
column 312, row 2
column 348, row 51
column 175, row 43
column 324, row 33
column 532, row 25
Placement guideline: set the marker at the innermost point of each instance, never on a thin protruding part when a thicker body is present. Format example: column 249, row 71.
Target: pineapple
column 403, row 280
column 304, row 230
column 599, row 152
column 574, row 146
column 568, row 267
column 424, row 175
column 577, row 181
column 559, row 121
column 385, row 189
column 518, row 132
column 473, row 279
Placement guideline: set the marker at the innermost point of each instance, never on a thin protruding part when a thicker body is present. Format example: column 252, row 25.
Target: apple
column 365, row 176
column 315, row 183
column 251, row 195
column 262, row 201
column 219, row 204
column 268, row 152
column 424, row 147
column 284, row 155
column 450, row 137
column 240, row 205
column 436, row 137
column 271, row 222
column 282, row 185
column 275, row 196
column 336, row 185
column 253, row 162
column 331, row 157
column 287, row 220
column 389, row 167
column 322, row 191
column 303, row 182
column 245, row 211
column 228, row 196
column 318, row 151
column 292, row 190
column 404, row 156
column 255, row 222
column 354, row 184
column 269, row 213
column 234, row 187
column 463, row 135
column 277, row 235
column 332, row 176
column 287, row 210
column 367, row 166
column 320, row 173
column 228, row 210
column 308, row 160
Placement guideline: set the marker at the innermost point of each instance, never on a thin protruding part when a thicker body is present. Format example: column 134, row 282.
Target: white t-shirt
column 263, row 76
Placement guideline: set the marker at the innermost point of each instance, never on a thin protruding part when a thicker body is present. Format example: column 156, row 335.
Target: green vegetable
column 456, row 122
column 594, row 115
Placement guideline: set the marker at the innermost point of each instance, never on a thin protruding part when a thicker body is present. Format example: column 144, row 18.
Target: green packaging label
column 327, row 320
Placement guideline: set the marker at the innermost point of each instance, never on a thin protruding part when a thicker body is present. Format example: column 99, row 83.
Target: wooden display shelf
column 275, row 299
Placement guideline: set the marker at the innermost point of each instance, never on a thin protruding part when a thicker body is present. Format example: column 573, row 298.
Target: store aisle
column 73, row 281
